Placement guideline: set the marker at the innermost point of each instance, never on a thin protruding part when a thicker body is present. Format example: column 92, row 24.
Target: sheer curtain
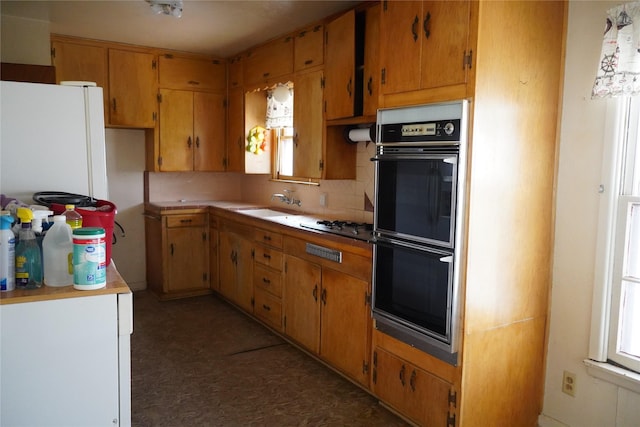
column 619, row 69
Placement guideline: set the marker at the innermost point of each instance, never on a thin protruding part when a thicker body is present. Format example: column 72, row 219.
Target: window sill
column 614, row 374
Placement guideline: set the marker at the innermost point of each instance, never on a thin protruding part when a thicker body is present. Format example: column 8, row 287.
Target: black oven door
column 413, row 296
column 416, row 195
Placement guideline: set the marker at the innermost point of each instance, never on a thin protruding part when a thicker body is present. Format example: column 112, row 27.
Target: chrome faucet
column 286, row 198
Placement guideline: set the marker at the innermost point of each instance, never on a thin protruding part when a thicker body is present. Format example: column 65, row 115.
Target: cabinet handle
column 324, row 296
column 349, row 88
column 185, row 221
column 113, row 103
column 308, row 62
column 267, row 256
column 315, row 292
column 426, row 26
column 296, row 139
column 193, row 82
column 265, row 280
column 414, row 28
column 412, row 380
column 267, row 238
column 265, row 75
column 402, row 375
column 239, row 142
column 197, row 142
column 189, row 142
column 370, row 85
column 266, row 307
column 171, row 246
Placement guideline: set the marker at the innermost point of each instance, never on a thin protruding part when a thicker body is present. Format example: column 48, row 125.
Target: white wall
column 25, row 41
column 125, row 167
column 596, row 403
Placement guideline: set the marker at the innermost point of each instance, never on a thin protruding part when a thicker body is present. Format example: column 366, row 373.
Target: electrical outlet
column 569, row 383
column 323, row 199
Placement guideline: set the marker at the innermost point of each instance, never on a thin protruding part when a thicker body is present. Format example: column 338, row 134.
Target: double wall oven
column 420, row 168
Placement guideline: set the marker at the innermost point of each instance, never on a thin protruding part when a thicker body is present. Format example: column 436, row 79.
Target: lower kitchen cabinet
column 327, row 312
column 420, row 396
column 235, row 261
column 177, row 254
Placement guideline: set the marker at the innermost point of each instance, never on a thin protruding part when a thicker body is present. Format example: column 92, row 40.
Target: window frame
column 603, row 359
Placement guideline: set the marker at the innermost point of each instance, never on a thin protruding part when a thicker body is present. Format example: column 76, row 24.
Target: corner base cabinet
column 177, row 253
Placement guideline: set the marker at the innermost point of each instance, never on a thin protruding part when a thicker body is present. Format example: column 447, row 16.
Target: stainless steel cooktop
column 354, row 230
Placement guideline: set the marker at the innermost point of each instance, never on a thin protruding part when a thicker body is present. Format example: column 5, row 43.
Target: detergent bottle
column 7, row 253
column 28, row 257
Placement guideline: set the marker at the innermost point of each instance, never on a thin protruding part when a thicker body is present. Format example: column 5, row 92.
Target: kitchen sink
column 263, row 212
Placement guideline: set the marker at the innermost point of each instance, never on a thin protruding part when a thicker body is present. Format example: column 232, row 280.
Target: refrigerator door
column 51, row 139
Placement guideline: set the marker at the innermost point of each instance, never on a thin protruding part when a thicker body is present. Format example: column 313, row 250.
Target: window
column 616, row 321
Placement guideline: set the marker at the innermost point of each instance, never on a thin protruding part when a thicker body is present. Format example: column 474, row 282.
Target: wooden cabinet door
column 400, row 45
column 371, row 61
column 227, row 265
column 177, row 72
column 176, row 130
column 235, row 131
column 389, row 378
column 188, row 258
column 445, row 39
column 308, row 125
column 214, row 269
column 340, row 67
column 269, row 61
column 244, row 274
column 302, row 289
column 132, row 88
column 309, row 48
column 344, row 341
column 209, row 131
column 422, row 397
column 82, row 62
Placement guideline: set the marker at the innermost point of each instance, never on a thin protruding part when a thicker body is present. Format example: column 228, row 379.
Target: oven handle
column 386, row 241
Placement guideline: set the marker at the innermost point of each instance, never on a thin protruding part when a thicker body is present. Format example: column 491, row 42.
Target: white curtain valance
column 619, row 69
column 279, row 107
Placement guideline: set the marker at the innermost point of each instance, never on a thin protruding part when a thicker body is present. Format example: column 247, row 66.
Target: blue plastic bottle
column 28, row 257
column 7, row 254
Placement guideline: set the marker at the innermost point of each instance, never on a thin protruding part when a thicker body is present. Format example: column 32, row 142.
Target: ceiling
column 216, row 27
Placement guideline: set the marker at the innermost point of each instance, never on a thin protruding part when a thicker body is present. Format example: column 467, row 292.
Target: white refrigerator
column 52, row 139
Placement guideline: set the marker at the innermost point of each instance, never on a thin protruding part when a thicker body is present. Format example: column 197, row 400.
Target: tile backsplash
column 345, row 199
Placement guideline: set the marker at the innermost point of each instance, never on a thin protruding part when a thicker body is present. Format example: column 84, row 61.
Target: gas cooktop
column 354, row 230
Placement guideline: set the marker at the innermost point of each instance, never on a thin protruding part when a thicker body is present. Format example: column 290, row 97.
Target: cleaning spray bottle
column 28, row 257
column 7, row 253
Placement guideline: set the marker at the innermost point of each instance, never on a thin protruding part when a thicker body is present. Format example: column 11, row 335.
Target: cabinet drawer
column 269, row 257
column 268, row 238
column 268, row 308
column 267, row 279
column 185, row 220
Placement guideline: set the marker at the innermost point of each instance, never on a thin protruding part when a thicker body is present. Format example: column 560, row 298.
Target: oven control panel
column 440, row 131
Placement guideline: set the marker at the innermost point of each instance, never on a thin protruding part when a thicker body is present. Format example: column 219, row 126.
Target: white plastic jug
column 57, row 248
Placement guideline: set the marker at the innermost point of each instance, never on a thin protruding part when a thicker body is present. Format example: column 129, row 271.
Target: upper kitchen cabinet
column 181, row 72
column 269, row 62
column 424, row 46
column 309, row 48
column 351, row 69
column 77, row 60
column 191, row 131
column 132, row 88
column 308, row 126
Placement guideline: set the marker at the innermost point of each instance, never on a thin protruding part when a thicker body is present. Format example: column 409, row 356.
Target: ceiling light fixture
column 167, row 7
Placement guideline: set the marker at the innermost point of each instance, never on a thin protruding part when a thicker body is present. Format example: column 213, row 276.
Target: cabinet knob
column 189, row 143
column 402, row 375
column 266, row 307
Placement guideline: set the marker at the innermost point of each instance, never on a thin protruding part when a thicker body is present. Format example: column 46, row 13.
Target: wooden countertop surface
column 115, row 285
